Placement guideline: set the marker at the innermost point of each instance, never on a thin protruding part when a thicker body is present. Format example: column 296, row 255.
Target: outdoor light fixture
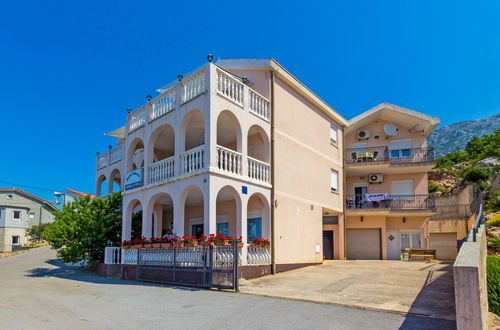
column 149, row 97
column 362, row 218
column 129, row 110
column 110, row 147
column 210, row 57
column 179, row 76
column 244, row 80
column 404, row 220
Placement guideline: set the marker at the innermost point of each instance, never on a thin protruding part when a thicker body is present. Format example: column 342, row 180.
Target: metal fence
column 369, row 155
column 394, row 202
column 201, row 266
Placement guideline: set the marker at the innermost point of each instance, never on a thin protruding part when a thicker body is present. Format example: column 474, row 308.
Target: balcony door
column 360, row 190
column 400, row 148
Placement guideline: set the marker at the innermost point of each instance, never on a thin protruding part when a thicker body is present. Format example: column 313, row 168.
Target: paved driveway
column 418, row 288
column 39, row 292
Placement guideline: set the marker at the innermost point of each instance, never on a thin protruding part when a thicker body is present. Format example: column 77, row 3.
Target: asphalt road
column 39, row 292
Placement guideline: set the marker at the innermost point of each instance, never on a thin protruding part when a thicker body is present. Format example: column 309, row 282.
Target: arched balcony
column 161, row 155
column 193, row 141
column 259, row 151
column 229, row 143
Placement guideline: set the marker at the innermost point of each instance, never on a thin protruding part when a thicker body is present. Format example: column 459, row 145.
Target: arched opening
column 193, row 212
column 228, row 131
column 228, row 209
column 135, row 155
column 161, row 146
column 258, row 217
column 101, row 186
column 193, row 127
column 116, row 180
column 162, row 217
column 134, row 215
column 258, row 146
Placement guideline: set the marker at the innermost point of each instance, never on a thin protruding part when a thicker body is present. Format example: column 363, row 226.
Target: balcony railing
column 110, row 157
column 161, row 170
column 228, row 160
column 228, row 86
column 163, row 104
column 391, row 202
column 371, row 155
column 193, row 160
column 258, row 170
column 259, row 105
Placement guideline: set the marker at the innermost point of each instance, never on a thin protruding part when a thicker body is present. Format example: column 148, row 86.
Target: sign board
column 133, row 179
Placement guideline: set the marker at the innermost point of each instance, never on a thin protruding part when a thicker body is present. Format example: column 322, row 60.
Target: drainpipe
column 273, row 234
column 344, row 187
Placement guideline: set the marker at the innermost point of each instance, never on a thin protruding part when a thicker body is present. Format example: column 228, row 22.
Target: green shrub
column 493, row 273
column 37, row 232
column 451, row 159
column 476, row 174
column 495, row 221
column 434, row 187
column 494, row 243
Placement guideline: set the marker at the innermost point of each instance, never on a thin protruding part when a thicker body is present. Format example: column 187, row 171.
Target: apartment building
column 19, row 211
column 239, row 147
column 387, row 203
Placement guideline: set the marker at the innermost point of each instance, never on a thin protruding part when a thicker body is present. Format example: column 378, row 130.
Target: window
column 334, row 181
column 223, row 228
column 254, row 229
column 331, row 220
column 410, row 241
column 32, row 215
column 400, row 148
column 17, row 215
column 333, row 135
column 9, row 196
column 16, row 240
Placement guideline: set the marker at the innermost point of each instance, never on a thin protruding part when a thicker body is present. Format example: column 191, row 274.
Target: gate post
column 235, row 265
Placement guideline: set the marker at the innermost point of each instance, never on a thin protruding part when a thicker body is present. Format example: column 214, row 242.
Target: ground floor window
column 16, row 240
column 410, row 241
column 223, row 228
column 254, row 228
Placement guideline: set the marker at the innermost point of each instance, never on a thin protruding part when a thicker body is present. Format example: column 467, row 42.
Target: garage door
column 445, row 245
column 363, row 244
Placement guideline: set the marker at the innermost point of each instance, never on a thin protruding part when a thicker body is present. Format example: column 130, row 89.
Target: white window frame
column 334, row 135
column 31, row 215
column 411, row 232
column 14, row 215
column 18, row 240
column 336, row 184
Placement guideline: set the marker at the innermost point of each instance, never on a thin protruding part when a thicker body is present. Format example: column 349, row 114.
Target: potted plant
column 260, row 243
column 155, row 242
column 147, row 243
column 125, row 244
column 137, row 243
column 239, row 240
column 176, row 242
column 166, row 243
column 221, row 240
column 189, row 241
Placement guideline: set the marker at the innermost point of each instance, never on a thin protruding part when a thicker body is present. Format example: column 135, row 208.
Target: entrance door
column 197, row 230
column 359, row 196
column 328, row 244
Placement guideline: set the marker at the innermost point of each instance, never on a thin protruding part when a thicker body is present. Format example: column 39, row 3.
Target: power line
column 25, row 186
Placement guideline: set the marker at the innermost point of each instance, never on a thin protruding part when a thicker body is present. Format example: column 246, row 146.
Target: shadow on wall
column 438, row 296
column 77, row 273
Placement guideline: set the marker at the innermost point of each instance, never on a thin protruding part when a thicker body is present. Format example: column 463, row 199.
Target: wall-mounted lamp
column 179, row 76
column 149, row 97
column 129, row 110
column 210, row 57
column 276, row 203
column 361, row 219
column 244, row 80
column 404, row 220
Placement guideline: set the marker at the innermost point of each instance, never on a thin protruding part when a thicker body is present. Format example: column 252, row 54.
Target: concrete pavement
column 418, row 288
column 39, row 292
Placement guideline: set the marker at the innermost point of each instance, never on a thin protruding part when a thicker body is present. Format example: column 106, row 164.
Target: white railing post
column 258, row 170
column 259, row 105
column 229, row 87
column 228, row 160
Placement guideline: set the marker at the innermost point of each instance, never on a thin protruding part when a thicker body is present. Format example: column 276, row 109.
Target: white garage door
column 445, row 245
column 363, row 244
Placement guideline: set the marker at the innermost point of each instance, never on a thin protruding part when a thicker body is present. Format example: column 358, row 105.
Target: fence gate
column 201, row 266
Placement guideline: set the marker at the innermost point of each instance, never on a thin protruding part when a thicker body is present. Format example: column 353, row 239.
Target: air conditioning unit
column 364, row 134
column 376, row 178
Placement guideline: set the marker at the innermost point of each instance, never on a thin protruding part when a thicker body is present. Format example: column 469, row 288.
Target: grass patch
column 493, row 273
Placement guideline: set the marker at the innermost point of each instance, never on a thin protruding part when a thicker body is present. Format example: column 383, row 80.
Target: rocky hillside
column 447, row 138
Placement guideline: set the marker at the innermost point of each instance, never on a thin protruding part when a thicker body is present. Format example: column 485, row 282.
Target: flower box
column 191, row 244
column 206, row 243
column 223, row 243
column 156, row 245
column 166, row 245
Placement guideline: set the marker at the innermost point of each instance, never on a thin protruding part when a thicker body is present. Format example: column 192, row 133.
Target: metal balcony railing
column 371, row 155
column 393, row 202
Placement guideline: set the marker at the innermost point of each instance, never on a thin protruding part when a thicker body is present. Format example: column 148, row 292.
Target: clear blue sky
column 69, row 69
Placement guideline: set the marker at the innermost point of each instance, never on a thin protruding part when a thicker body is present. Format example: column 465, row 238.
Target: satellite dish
column 390, row 129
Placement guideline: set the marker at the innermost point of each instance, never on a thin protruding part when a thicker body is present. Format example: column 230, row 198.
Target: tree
column 37, row 232
column 83, row 228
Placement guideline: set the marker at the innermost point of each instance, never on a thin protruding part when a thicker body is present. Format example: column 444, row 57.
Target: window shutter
column 334, row 181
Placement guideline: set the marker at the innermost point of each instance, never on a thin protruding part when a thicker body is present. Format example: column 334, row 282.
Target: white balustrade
column 137, row 118
column 192, row 160
column 259, row 105
column 102, row 160
column 116, row 154
column 163, row 104
column 229, row 87
column 258, row 256
column 112, row 255
column 161, row 170
column 129, row 256
column 228, row 160
column 193, row 85
column 258, row 170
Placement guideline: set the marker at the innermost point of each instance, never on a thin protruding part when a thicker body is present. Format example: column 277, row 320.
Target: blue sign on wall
column 244, row 190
